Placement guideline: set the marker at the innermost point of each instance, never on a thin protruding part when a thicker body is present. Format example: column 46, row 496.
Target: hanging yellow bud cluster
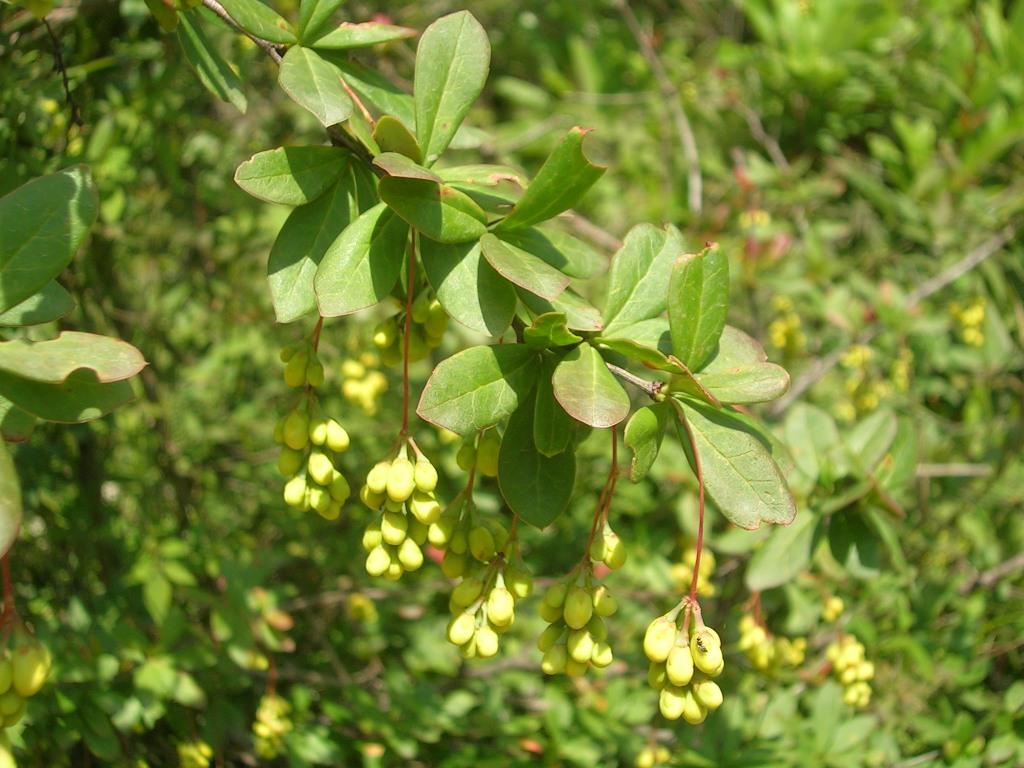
column 971, row 319
column 682, row 667
column 427, row 329
column 833, row 609
column 23, row 669
column 403, row 492
column 682, row 572
column 865, row 392
column 650, row 757
column 272, row 725
column 767, row 651
column 608, row 548
column 302, row 365
column 194, row 754
column 852, row 669
column 364, row 384
column 784, row 332
column 576, row 637
column 480, row 451
column 310, row 446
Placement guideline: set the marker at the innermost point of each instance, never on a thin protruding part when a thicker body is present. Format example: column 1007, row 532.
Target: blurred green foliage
column 849, row 151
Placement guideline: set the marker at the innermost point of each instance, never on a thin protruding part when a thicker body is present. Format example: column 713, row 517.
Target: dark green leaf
column 537, row 487
column 561, row 250
column 550, row 331
column 79, row 398
column 373, row 88
column 640, row 270
column 53, row 361
column 43, row 223
column 563, row 179
column 306, row 236
column 438, row 211
column 315, row 84
column 854, row 544
column 784, row 556
column 468, row 287
column 362, row 265
column 740, row 475
column 587, row 390
column 478, row 387
column 552, row 426
column 452, row 61
column 314, row 17
column 292, row 175
column 213, row 72
column 16, row 425
column 697, row 305
column 396, row 164
column 258, row 19
column 349, row 35
column 643, row 434
column 391, row 135
column 523, row 269
column 51, row 303
column 580, row 315
column 164, row 14
column 10, row 500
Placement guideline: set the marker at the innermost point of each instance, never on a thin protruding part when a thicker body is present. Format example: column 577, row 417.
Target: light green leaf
column 580, row 315
column 468, row 287
column 563, row 179
column 640, row 270
column 552, row 426
column 643, row 434
column 550, row 331
column 697, row 305
column 538, row 488
column 740, row 474
column 870, row 439
column 314, row 17
column 52, row 302
column 349, row 35
column 478, row 387
column 391, row 135
column 785, row 555
column 811, row 435
column 362, row 265
column 438, row 211
column 373, row 88
column 306, row 236
column 739, row 372
column 79, row 398
column 561, row 250
column 260, row 20
column 402, row 166
column 315, row 84
column 650, row 357
column 524, row 269
column 587, row 390
column 156, row 594
column 452, row 61
column 42, row 225
column 53, row 361
column 213, row 72
column 292, row 175
column 10, row 500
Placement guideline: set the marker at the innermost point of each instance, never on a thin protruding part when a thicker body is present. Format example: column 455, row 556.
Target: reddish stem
column 407, row 331
column 605, row 499
column 700, row 520
column 9, row 616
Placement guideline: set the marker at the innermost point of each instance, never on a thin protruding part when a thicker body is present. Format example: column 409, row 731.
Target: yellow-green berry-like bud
column 318, row 431
column 319, row 499
column 401, row 479
column 554, row 659
column 425, row 476
column 337, row 438
column 555, row 594
column 615, row 551
column 295, row 492
column 377, row 478
column 679, row 665
column 385, row 334
column 393, row 527
column 481, row 544
column 461, row 629
column 466, row 593
column 550, row 613
column 486, row 642
column 657, row 677
column 454, row 564
column 289, row 461
column 370, row 498
column 440, row 532
column 551, row 635
column 424, row 507
column 378, row 561
column 706, row 648
column 519, row 582
column 575, row 668
column 320, row 468
column 580, row 645
column 487, row 453
column 295, row 368
column 500, row 607
column 579, row 607
column 417, row 532
column 672, row 702
column 339, row 488
column 296, row 430
column 602, row 655
column 372, row 537
column 466, row 457
column 660, row 639
column 410, row 555
column 30, row 665
column 693, row 711
column 315, row 373
column 604, row 603
column 708, row 693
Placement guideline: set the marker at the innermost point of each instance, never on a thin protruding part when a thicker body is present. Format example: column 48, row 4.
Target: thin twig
column 953, row 470
column 695, row 183
column 651, row 388
column 271, row 49
column 994, row 574
column 58, row 64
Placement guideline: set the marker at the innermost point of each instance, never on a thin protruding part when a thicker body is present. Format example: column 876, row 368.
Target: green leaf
column 292, row 175
column 10, row 500
column 478, row 387
column 349, row 35
column 870, row 439
column 16, row 425
column 79, row 398
column 307, row 235
column 373, row 88
column 362, row 265
column 213, row 72
column 315, row 84
column 580, row 315
column 643, row 434
column 165, row 15
column 258, row 19
column 640, row 270
column 438, row 211
column 587, row 390
column 811, row 435
column 50, row 303
column 391, row 135
column 402, row 166
column 739, row 372
column 650, row 357
column 740, row 474
column 495, row 188
column 468, row 287
column 552, row 426
column 550, row 331
column 524, row 269
column 784, row 556
column 854, row 544
column 314, row 16
column 538, row 488
column 43, row 223
column 156, row 594
column 561, row 250
column 452, row 61
column 697, row 305
column 899, row 464
column 53, row 361
column 563, row 179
